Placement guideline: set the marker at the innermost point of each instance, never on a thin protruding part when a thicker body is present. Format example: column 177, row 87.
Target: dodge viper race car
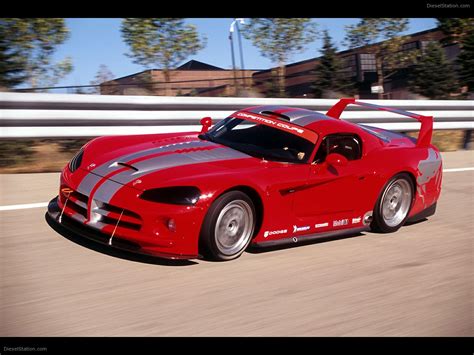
column 265, row 175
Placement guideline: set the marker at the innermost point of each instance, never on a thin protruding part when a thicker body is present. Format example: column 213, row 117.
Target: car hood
column 161, row 160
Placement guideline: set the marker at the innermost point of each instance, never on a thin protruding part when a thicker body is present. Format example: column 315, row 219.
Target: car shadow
column 263, row 249
column 415, row 222
column 114, row 252
column 407, row 223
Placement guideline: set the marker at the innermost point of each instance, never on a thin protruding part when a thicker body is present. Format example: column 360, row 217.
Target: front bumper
column 80, row 229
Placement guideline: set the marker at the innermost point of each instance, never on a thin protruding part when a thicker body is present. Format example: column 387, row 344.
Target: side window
column 348, row 145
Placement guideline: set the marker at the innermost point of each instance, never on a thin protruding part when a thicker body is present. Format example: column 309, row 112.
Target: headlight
column 75, row 162
column 176, row 195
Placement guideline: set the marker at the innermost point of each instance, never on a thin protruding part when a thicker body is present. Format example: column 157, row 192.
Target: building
column 195, row 78
column 191, row 78
column 359, row 65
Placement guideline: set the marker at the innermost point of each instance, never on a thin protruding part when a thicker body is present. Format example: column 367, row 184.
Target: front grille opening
column 118, row 210
column 76, row 208
column 123, row 224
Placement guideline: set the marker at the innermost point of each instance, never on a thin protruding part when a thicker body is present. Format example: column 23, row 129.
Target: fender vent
column 75, row 162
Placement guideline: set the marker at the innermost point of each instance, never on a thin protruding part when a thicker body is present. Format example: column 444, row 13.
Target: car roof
column 313, row 120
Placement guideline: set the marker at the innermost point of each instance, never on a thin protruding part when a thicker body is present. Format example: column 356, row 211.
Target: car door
column 331, row 193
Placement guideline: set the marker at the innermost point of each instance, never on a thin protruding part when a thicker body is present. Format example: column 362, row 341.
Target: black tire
column 212, row 246
column 380, row 222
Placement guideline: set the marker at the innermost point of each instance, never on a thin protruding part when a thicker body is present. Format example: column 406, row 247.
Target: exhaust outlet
column 368, row 218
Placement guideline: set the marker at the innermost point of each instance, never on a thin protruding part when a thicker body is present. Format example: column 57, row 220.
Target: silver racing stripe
column 174, row 160
column 429, row 168
column 108, row 188
column 106, row 191
column 306, row 120
column 88, row 183
column 110, row 167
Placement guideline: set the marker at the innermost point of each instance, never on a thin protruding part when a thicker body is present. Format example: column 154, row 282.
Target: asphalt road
column 416, row 282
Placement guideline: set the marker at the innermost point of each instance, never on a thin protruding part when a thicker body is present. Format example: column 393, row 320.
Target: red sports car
column 265, row 175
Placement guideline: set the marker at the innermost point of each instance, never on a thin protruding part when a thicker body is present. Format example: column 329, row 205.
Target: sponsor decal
column 300, row 229
column 136, row 182
column 307, row 134
column 340, row 222
column 281, row 231
column 356, row 220
column 321, row 225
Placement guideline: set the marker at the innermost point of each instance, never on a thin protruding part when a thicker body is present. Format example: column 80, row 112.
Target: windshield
column 260, row 140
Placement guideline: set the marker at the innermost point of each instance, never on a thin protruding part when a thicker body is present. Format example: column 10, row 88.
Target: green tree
column 103, row 74
column 164, row 42
column 329, row 76
column 456, row 28
column 34, row 41
column 12, row 66
column 461, row 31
column 389, row 56
column 433, row 75
column 466, row 62
column 279, row 38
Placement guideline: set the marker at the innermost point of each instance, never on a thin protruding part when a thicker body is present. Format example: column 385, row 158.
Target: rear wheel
column 394, row 204
column 228, row 226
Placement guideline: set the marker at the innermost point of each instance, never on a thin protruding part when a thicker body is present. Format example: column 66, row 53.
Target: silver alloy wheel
column 396, row 202
column 234, row 227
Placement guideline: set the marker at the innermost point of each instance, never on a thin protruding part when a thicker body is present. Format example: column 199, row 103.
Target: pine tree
column 328, row 72
column 103, row 75
column 433, row 76
column 12, row 70
column 12, row 67
column 466, row 62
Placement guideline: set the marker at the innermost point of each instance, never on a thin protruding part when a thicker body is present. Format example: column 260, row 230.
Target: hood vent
column 127, row 166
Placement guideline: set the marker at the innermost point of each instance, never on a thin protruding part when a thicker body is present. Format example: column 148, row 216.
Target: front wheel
column 228, row 227
column 394, row 204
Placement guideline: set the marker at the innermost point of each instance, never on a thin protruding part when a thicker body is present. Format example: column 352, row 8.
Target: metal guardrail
column 65, row 115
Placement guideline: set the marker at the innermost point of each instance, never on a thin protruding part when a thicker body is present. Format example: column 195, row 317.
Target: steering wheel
column 294, row 152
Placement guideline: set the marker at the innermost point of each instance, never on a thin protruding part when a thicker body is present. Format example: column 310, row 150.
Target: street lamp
column 231, row 31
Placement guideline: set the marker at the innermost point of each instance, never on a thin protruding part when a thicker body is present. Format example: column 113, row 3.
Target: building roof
column 197, row 65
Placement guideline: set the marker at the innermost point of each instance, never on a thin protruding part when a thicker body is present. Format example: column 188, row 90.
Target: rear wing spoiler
column 426, row 130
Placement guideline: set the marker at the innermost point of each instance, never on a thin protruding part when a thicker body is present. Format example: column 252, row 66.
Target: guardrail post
column 467, row 139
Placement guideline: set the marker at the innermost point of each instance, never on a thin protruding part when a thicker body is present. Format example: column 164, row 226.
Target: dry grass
column 37, row 155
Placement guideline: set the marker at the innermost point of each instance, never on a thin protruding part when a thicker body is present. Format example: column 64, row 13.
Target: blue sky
column 93, row 42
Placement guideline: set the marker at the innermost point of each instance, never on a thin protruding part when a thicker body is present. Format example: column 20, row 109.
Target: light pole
column 242, row 67
column 231, row 31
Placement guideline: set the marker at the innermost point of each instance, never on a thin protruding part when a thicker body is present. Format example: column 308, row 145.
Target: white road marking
column 22, row 207
column 457, row 169
column 45, row 204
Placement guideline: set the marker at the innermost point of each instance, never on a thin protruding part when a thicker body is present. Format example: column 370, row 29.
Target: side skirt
column 309, row 237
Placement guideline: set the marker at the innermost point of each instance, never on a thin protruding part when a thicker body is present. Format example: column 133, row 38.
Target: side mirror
column 206, row 122
column 335, row 160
